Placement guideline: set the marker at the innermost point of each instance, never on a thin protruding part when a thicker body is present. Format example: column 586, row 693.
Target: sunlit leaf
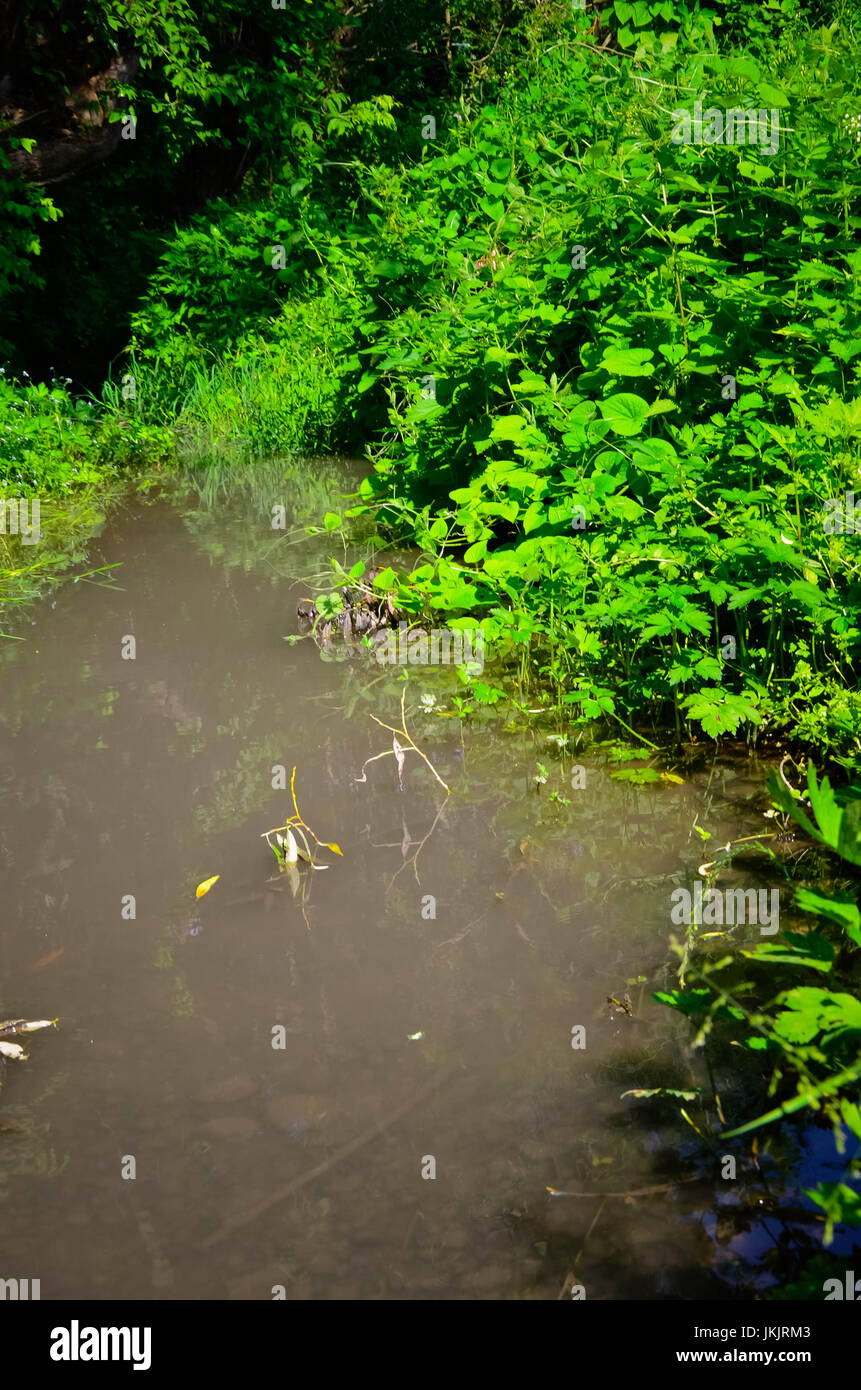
column 399, row 759
column 22, row 1025
column 291, row 849
column 810, row 1097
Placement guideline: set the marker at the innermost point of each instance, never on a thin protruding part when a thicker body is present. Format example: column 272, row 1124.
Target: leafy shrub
column 52, row 441
column 608, row 381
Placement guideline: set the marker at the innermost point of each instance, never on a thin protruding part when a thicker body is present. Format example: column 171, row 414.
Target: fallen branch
column 632, row 1192
column 397, row 752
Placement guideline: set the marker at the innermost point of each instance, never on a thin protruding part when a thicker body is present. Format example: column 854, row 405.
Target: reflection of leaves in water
column 242, row 789
column 67, row 527
column 24, row 1150
column 25, row 1153
column 76, row 699
column 247, row 495
column 182, row 1004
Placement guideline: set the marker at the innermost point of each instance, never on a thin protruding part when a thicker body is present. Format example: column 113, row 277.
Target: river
column 365, row 1087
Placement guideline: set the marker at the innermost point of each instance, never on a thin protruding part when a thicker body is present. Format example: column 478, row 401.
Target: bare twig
column 396, row 751
column 632, row 1192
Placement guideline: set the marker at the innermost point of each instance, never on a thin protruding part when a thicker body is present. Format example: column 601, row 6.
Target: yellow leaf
column 205, row 886
column 336, row 849
column 672, row 777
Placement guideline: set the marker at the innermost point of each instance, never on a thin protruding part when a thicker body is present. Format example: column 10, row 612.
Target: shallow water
column 412, row 1031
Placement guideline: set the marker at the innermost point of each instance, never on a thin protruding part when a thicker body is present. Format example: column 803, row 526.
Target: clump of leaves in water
column 285, row 847
column 15, row 1026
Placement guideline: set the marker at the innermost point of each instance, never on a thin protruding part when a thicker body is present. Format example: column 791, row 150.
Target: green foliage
column 559, row 431
column 54, row 442
column 596, row 393
column 228, row 99
column 608, row 381
column 272, row 392
column 836, row 822
column 810, row 1032
column 218, row 92
column 25, row 210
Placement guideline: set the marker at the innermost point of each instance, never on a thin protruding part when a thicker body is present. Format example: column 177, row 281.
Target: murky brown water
column 408, row 1037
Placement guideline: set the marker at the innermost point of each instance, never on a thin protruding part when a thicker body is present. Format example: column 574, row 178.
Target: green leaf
column 628, row 361
column 508, row 427
column 810, row 950
column 494, row 209
column 810, row 1097
column 688, row 1002
column 639, row 776
column 836, row 826
column 841, row 1204
column 625, row 413
column 839, row 907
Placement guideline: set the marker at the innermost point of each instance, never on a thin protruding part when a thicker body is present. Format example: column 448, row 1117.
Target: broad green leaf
column 508, row 427
column 639, row 776
column 625, row 413
column 810, row 950
column 628, row 361
column 839, row 907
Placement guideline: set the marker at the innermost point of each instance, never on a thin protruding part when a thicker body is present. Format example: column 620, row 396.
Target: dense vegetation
column 790, row 1003
column 609, row 383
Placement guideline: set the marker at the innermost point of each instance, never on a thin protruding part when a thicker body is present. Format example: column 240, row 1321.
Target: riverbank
column 605, row 380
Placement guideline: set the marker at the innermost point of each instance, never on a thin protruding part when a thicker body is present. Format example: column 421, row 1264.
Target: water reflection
column 286, row 1080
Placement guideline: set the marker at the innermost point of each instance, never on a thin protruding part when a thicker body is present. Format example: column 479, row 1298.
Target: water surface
column 418, row 1035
